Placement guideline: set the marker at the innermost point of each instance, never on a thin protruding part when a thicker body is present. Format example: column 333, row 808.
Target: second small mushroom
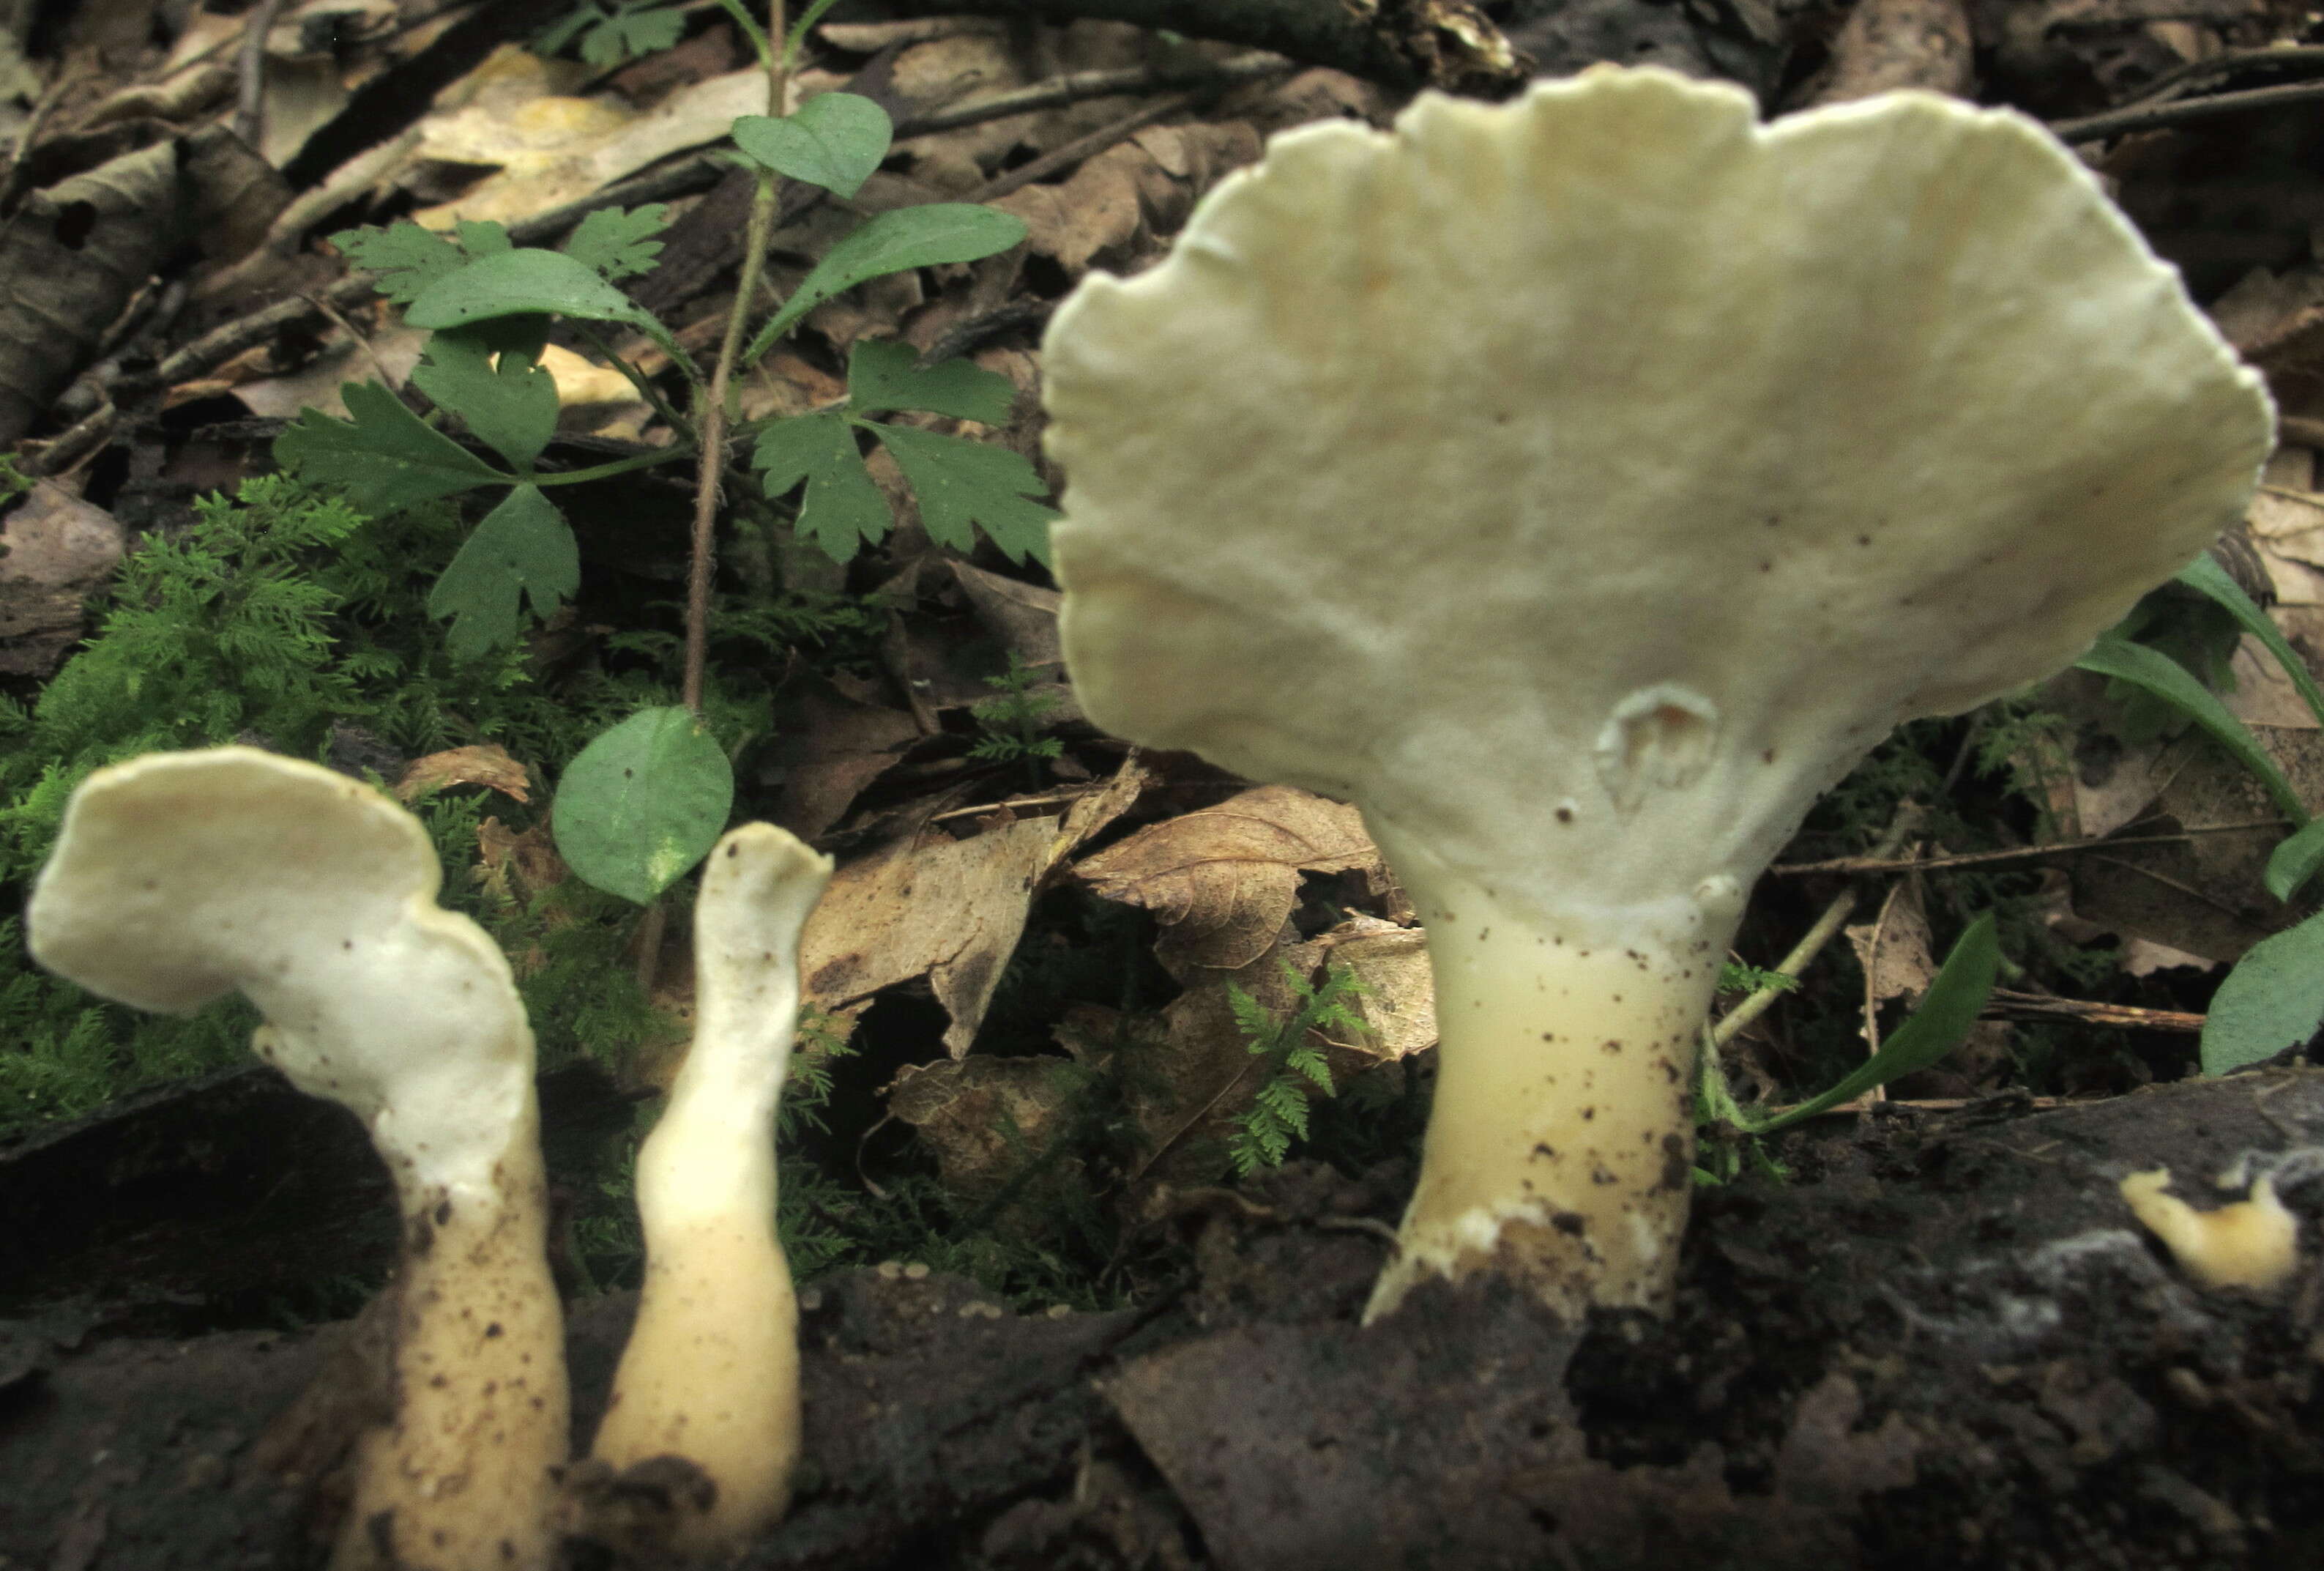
column 710, row 1378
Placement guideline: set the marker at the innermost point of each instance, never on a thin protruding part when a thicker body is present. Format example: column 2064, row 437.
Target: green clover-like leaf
column 885, row 374
column 619, row 244
column 843, row 510
column 489, row 375
column 960, row 483
column 895, row 242
column 524, row 283
column 523, row 550
column 386, row 457
column 834, row 141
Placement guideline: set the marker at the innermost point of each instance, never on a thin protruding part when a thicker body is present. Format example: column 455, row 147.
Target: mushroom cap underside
column 1606, row 457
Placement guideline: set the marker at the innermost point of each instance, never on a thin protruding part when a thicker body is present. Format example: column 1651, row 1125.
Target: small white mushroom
column 711, row 1372
column 179, row 877
column 1580, row 486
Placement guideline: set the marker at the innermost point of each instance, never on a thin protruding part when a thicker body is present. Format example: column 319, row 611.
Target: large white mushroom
column 1580, row 486
column 179, row 877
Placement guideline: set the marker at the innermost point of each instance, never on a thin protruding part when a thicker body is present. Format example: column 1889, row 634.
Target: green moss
column 282, row 617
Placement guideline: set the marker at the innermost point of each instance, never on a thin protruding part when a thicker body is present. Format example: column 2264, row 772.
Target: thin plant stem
column 1827, row 927
column 637, row 379
column 713, row 412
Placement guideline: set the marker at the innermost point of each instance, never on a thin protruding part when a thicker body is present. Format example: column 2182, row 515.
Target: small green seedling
column 607, row 36
column 1294, row 1068
column 1948, row 1012
column 489, row 305
column 1011, row 720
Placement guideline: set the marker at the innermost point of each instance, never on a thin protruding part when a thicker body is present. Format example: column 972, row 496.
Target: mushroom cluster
column 1581, row 486
column 179, row 877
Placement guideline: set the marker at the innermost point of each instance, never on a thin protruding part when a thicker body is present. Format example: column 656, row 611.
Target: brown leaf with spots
column 1223, row 881
column 950, row 911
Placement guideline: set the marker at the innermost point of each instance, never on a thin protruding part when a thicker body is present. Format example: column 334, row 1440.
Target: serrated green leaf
column 512, row 405
column 483, row 238
column 2273, row 999
column 618, row 243
column 833, row 141
column 883, row 374
column 522, row 551
column 1313, row 1065
column 521, row 283
column 643, row 803
column 639, row 27
column 843, row 509
column 1948, row 1012
column 908, row 238
column 386, row 458
column 2157, row 673
column 960, row 483
column 406, row 257
column 551, row 39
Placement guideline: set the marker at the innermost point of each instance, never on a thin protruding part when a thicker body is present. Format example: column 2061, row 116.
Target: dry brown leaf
column 1398, row 1001
column 487, row 764
column 1894, row 951
column 55, row 551
column 550, row 148
column 828, row 747
column 1223, row 881
column 519, row 867
column 1089, row 813
column 1195, row 1074
column 1022, row 617
column 984, row 1119
column 950, row 911
column 1888, row 44
column 1120, row 205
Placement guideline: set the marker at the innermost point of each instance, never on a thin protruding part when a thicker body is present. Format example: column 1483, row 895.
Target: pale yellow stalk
column 711, row 1373
column 1560, row 1146
column 462, row 1477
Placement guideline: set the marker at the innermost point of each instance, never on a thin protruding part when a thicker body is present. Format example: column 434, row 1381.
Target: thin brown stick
column 1059, row 91
column 250, row 96
column 1862, row 865
column 1827, row 926
column 2175, row 83
column 2157, row 116
column 2008, row 1004
column 1081, row 148
column 35, row 123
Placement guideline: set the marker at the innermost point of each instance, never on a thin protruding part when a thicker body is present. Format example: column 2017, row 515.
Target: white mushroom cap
column 1580, row 485
column 179, row 877
column 1607, row 451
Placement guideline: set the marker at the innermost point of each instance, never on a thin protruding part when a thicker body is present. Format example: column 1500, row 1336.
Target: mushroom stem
column 463, row 1476
column 1560, row 1143
column 711, row 1372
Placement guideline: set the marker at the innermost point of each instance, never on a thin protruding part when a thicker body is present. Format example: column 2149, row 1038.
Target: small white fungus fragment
column 2252, row 1243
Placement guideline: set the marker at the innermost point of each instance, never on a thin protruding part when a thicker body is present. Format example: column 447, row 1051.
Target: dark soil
column 1944, row 1343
